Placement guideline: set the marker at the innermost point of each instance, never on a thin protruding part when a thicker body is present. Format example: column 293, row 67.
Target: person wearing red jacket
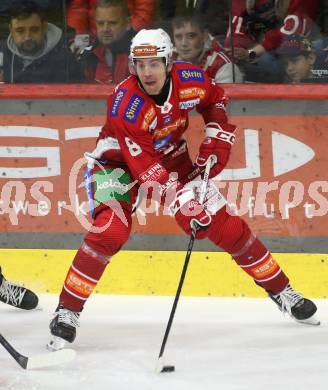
column 81, row 15
column 259, row 27
column 194, row 44
column 107, row 60
column 142, row 144
column 274, row 19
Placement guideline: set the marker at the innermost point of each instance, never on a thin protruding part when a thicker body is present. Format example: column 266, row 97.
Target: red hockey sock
column 233, row 235
column 255, row 259
column 92, row 258
column 82, row 277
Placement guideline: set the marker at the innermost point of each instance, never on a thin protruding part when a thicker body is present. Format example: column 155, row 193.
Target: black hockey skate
column 63, row 328
column 299, row 308
column 16, row 295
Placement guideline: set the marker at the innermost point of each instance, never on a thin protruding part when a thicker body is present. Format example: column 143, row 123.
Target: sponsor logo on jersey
column 191, row 74
column 148, row 118
column 162, row 142
column 111, row 184
column 133, row 108
column 221, row 106
column 189, row 104
column 190, row 93
column 117, row 102
column 155, row 172
column 115, row 185
column 165, row 131
column 145, row 51
column 150, row 114
column 167, row 119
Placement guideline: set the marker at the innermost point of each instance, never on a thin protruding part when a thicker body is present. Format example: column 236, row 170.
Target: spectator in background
column 300, row 61
column 81, row 15
column 51, row 8
column 194, row 44
column 5, row 6
column 259, row 27
column 34, row 51
column 215, row 12
column 107, row 60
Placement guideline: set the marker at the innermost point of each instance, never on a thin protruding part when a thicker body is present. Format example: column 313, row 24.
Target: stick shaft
column 186, row 262
column 177, row 295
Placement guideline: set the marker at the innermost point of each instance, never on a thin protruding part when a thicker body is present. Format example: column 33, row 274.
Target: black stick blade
column 161, row 367
column 20, row 359
column 168, row 369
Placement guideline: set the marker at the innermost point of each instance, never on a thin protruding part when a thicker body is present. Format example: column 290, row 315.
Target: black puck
column 168, row 369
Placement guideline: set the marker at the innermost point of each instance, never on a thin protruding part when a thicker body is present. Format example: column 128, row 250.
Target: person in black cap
column 300, row 61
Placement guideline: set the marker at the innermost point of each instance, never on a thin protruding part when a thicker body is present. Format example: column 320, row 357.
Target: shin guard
column 92, row 259
column 233, row 235
column 82, row 277
column 255, row 259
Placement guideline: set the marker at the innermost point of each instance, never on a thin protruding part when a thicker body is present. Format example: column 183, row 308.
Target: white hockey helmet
column 151, row 44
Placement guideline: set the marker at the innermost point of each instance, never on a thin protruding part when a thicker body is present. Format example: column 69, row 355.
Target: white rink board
column 215, row 343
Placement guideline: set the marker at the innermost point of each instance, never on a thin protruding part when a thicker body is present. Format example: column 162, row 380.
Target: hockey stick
column 38, row 361
column 161, row 367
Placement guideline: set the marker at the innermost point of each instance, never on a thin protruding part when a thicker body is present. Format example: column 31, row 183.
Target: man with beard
column 34, row 51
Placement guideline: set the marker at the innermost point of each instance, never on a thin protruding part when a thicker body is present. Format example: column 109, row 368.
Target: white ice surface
column 215, row 343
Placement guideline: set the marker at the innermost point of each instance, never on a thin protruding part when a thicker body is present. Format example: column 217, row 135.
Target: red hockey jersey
column 143, row 135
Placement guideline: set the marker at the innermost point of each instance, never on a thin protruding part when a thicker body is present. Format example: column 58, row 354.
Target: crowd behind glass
column 87, row 41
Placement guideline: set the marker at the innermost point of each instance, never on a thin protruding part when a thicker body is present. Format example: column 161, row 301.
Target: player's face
column 111, row 24
column 28, row 34
column 299, row 67
column 152, row 74
column 189, row 41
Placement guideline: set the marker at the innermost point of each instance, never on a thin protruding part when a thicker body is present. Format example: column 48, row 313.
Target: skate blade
column 309, row 321
column 56, row 344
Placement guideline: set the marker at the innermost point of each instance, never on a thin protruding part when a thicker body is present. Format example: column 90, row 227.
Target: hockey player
column 16, row 295
column 142, row 139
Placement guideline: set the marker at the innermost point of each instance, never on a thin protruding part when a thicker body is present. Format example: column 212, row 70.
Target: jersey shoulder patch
column 127, row 101
column 116, row 101
column 117, row 98
column 188, row 72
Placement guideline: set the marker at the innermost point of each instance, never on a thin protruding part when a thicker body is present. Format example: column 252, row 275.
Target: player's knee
column 109, row 232
column 230, row 233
